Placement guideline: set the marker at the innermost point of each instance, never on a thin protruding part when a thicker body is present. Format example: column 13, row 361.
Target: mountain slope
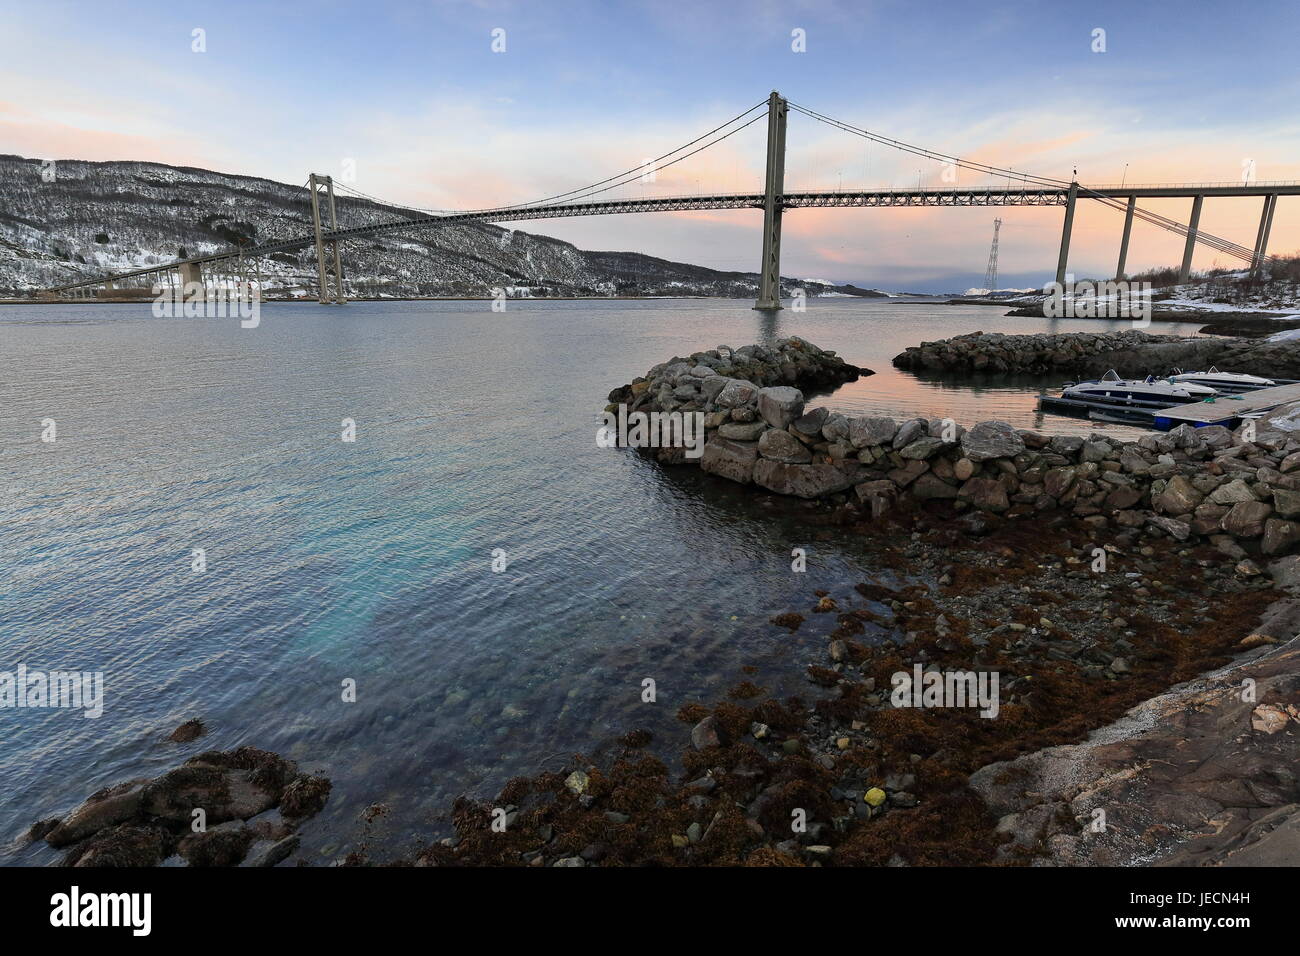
column 92, row 218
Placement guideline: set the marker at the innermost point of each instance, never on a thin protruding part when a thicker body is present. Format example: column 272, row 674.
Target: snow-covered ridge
column 97, row 218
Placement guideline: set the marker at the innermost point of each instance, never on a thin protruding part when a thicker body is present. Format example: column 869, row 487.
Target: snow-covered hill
column 82, row 219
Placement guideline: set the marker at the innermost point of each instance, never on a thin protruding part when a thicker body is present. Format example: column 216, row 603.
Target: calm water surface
column 372, row 560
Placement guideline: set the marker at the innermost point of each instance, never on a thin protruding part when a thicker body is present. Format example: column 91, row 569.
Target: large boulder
column 1057, row 481
column 991, row 440
column 728, row 458
column 780, row 405
column 923, row 448
column 735, row 393
column 1280, row 537
column 780, row 445
column 1246, row 519
column 742, row 431
column 810, row 424
column 1233, row 492
column 930, row 485
column 1286, row 502
column 1179, row 497
column 865, row 432
column 987, row 494
column 802, row 481
column 234, row 785
column 910, row 431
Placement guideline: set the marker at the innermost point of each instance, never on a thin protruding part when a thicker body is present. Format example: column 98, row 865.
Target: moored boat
column 1234, row 382
column 1150, row 392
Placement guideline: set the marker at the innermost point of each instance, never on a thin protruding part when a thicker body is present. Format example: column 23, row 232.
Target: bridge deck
column 1010, row 195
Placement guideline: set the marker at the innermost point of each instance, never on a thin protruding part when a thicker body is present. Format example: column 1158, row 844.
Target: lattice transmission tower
column 991, row 273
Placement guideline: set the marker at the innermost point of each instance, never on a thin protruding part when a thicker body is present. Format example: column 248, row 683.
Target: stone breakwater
column 1209, row 483
column 995, row 352
column 724, row 382
column 1132, row 353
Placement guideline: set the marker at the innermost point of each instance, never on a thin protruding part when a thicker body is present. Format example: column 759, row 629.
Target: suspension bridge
column 1021, row 189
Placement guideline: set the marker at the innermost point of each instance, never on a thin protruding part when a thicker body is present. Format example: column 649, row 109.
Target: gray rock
column 991, row 440
column 836, row 427
column 1179, row 497
column 730, row 459
column 910, row 431
column 1057, row 481
column 930, row 485
column 865, row 432
column 1286, row 502
column 802, row 481
column 105, row 809
column 810, row 423
column 1280, row 537
column 705, row 734
column 735, row 393
column 1178, row 530
column 780, row 445
column 1233, row 492
column 711, row 387
column 780, row 405
column 1246, row 519
column 987, row 494
column 276, row 852
column 1067, row 445
column 923, row 448
column 742, row 431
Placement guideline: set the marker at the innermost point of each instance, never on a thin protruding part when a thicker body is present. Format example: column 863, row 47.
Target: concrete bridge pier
column 190, row 272
column 1261, row 237
column 1065, row 234
column 769, row 288
column 1123, row 243
column 1186, row 270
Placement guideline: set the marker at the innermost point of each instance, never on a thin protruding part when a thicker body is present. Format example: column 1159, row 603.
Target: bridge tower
column 991, row 273
column 330, row 290
column 769, row 289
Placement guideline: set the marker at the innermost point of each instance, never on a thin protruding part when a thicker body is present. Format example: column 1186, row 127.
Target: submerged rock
column 140, row 822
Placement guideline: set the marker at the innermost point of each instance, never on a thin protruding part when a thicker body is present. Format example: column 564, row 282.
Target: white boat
column 1150, row 392
column 1223, row 381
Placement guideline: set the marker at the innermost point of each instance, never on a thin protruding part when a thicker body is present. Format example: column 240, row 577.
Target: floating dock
column 1225, row 409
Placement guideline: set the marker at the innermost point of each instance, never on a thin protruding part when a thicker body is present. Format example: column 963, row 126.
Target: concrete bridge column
column 1261, row 237
column 190, row 272
column 1065, row 234
column 1123, row 243
column 1185, row 272
column 769, row 289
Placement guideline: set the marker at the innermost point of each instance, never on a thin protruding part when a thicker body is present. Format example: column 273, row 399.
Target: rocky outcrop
column 996, row 352
column 141, row 822
column 1203, row 774
column 1132, row 353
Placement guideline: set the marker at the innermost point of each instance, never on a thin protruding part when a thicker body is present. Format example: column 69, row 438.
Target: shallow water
column 372, row 560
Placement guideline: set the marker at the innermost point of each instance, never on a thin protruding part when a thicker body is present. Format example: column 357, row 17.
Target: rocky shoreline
column 1133, row 353
column 842, row 777
column 1124, row 593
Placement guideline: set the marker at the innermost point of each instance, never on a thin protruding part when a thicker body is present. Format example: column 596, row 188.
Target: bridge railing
column 1237, row 184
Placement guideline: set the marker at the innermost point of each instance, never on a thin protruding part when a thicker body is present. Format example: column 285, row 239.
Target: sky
column 415, row 101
